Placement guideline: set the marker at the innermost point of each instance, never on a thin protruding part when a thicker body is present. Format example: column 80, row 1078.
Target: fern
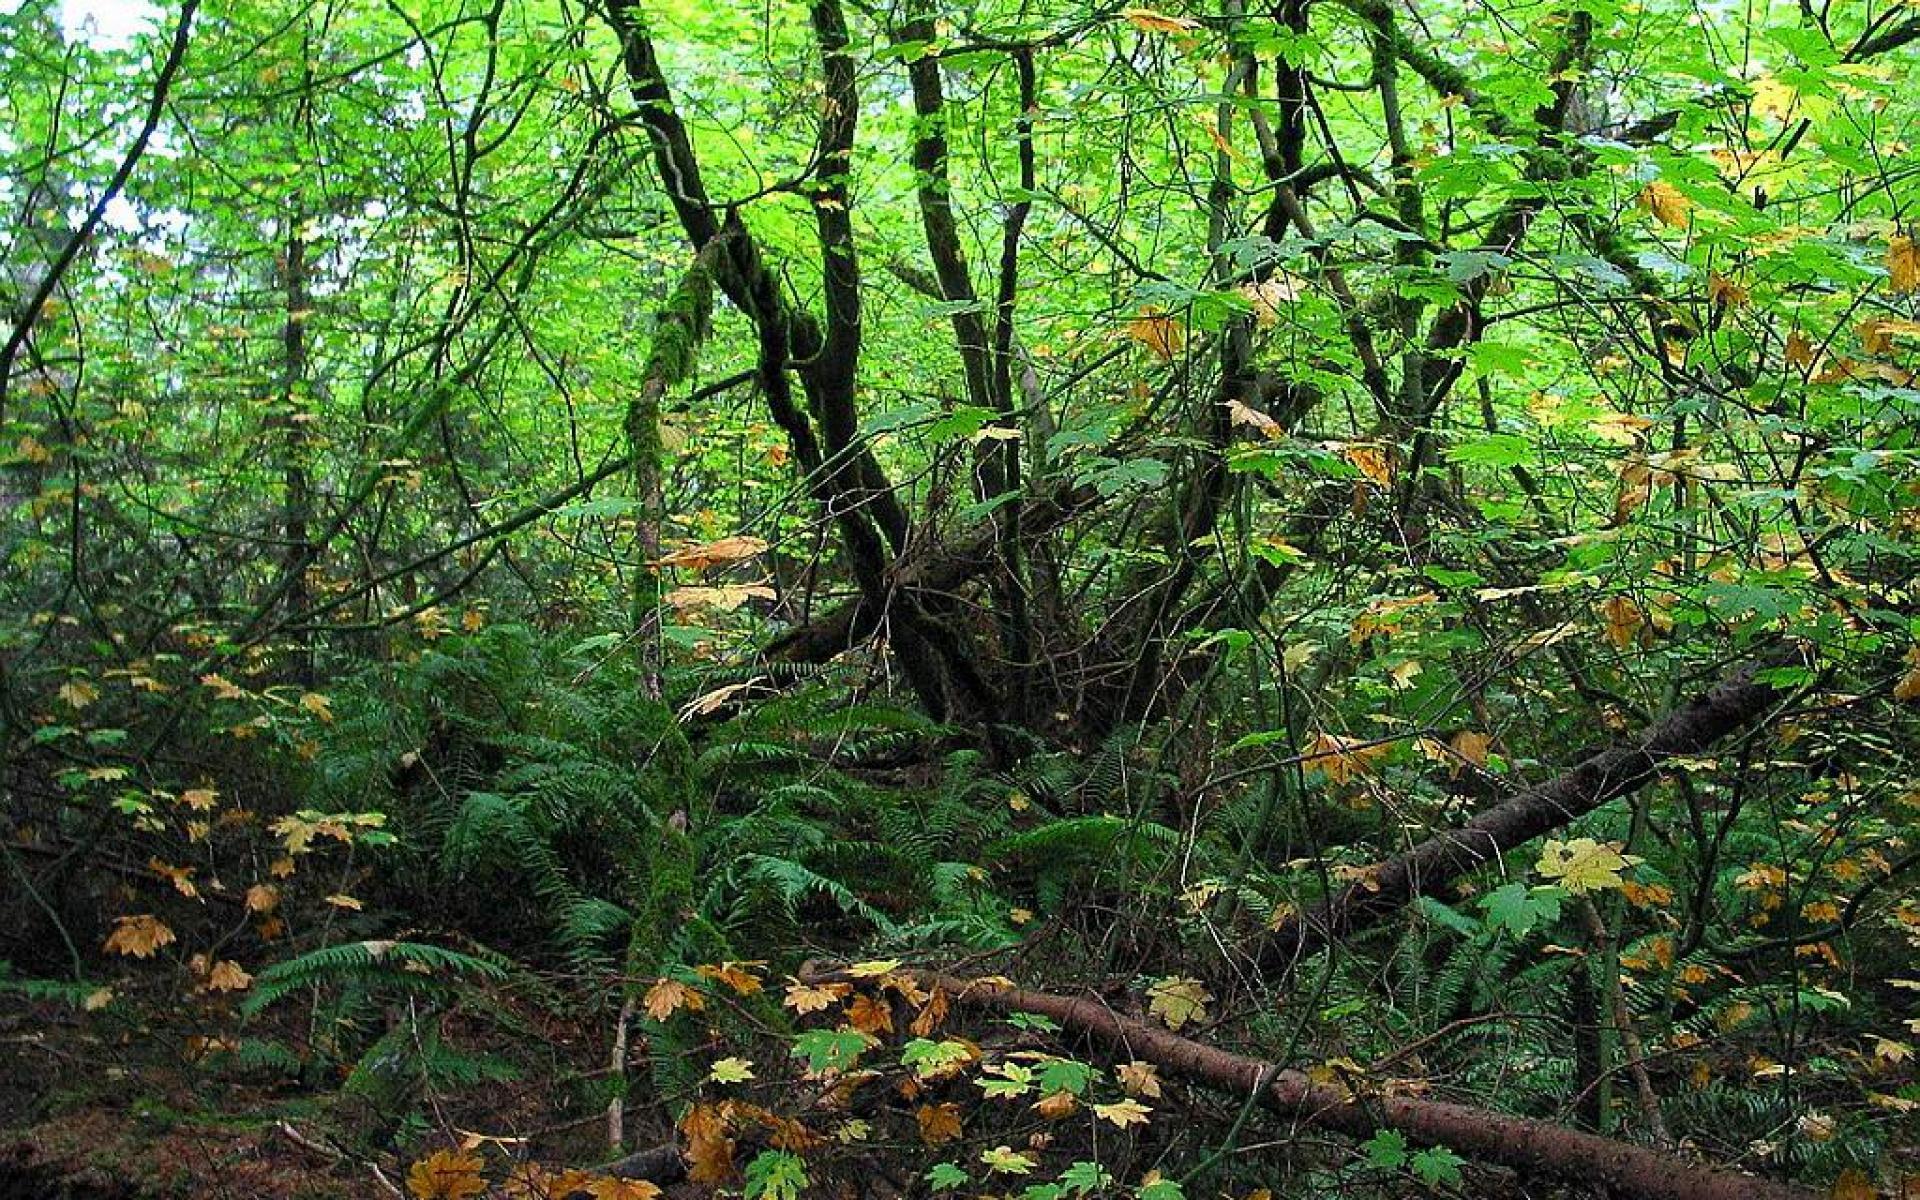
column 406, row 966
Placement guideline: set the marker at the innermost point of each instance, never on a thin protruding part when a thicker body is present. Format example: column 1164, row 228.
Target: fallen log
column 1738, row 701
column 1533, row 1147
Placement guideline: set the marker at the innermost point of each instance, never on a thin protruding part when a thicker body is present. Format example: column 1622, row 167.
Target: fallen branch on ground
column 1526, row 1145
column 1430, row 868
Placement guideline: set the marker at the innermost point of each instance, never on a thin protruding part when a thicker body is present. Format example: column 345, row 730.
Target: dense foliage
column 1022, row 598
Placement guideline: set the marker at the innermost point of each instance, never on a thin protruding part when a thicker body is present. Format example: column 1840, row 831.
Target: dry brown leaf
column 939, row 1123
column 139, row 936
column 724, row 552
column 669, row 996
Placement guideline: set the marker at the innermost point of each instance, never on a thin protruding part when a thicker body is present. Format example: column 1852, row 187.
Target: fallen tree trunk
column 1430, row 868
column 1533, row 1147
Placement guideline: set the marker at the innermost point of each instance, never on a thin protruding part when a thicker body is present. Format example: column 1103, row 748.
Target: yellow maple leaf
column 77, row 694
column 874, row 969
column 733, row 1069
column 199, row 799
column 139, row 936
column 1140, row 1079
column 738, row 976
column 1177, row 1000
column 1584, row 865
column 724, row 552
column 447, row 1175
column 1371, row 461
column 1123, row 1113
column 669, row 996
column 1903, row 264
column 1158, row 332
column 805, row 998
column 1341, row 759
column 1149, row 21
column 1668, row 204
column 228, row 976
column 606, row 1187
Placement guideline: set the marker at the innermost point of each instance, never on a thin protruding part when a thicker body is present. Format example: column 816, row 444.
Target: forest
column 1028, row 599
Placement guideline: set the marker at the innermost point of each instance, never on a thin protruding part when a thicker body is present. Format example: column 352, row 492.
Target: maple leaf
column 342, row 900
column 228, row 976
column 1123, row 1113
column 1799, row 350
column 1140, row 1079
column 139, row 936
column 1371, row 461
column 804, row 998
column 199, row 799
column 1908, row 688
column 1177, row 1000
column 1267, row 297
column 77, row 694
column 1055, row 1105
column 1472, row 746
column 1006, row 1160
column 939, row 1123
column 731, row 1070
column 874, row 969
column 1253, row 418
column 721, row 553
column 669, row 996
column 709, row 1151
column 1149, row 21
column 447, row 1175
column 606, row 1187
column 1158, row 332
column 263, row 898
column 1668, row 204
column 735, row 975
column 687, row 600
column 320, row 706
column 1342, row 760
column 1724, row 293
column 1584, row 865
column 931, row 1015
column 1903, row 264
column 869, row 1015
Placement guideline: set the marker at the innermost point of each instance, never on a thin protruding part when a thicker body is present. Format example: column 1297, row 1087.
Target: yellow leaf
column 731, row 1070
column 1799, row 350
column 873, row 970
column 1253, row 418
column 1371, row 461
column 1149, row 21
column 805, row 998
column 1006, row 1160
column 1177, row 1000
column 97, row 999
column 1724, row 293
column 688, row 600
column 939, row 1123
column 725, row 552
column 1908, row 689
column 1903, row 264
column 1266, row 298
column 1055, row 1105
column 77, row 694
column 1584, row 865
column 1472, row 746
column 228, row 976
column 1158, row 332
column 1341, row 759
column 318, row 705
column 1668, row 204
column 1123, row 1113
column 669, row 996
column 139, row 936
column 446, row 1175
column 199, row 799
column 180, row 877
column 1140, row 1079
column 606, row 1187
column 342, row 900
column 735, row 975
